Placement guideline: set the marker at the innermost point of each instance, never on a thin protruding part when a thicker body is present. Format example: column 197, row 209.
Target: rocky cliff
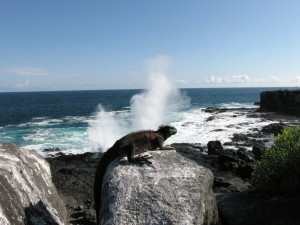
column 28, row 195
column 282, row 101
column 172, row 190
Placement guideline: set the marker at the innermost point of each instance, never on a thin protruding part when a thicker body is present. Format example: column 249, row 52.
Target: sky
column 92, row 45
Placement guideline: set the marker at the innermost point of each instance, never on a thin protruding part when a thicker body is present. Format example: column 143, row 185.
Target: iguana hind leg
column 130, row 150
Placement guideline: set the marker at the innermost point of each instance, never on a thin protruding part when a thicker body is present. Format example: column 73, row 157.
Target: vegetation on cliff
column 279, row 169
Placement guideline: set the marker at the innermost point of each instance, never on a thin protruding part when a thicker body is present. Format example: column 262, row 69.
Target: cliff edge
column 281, row 101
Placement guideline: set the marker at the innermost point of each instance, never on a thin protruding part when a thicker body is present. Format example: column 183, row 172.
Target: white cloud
column 275, row 79
column 23, row 85
column 181, row 82
column 66, row 75
column 27, row 71
column 297, row 78
column 234, row 79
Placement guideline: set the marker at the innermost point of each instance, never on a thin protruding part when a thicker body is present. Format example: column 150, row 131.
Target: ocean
column 81, row 121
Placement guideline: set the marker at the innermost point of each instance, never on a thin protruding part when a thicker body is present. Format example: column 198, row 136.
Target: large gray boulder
column 28, row 195
column 173, row 190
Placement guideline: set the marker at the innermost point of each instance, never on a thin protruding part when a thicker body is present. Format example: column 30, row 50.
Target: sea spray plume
column 103, row 130
column 151, row 107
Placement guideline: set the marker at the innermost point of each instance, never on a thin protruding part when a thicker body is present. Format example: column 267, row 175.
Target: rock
column 210, row 118
column 73, row 176
column 244, row 155
column 229, row 182
column 245, row 170
column 173, row 190
column 258, row 150
column 27, row 191
column 240, row 137
column 214, row 110
column 253, row 209
column 282, row 101
column 214, row 147
column 273, row 128
column 228, row 156
column 38, row 214
column 51, row 150
column 188, row 147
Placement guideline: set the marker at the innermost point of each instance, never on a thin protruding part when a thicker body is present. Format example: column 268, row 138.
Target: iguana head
column 167, row 131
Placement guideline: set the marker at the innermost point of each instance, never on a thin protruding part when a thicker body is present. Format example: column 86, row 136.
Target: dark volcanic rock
column 253, row 209
column 214, row 147
column 240, row 137
column 73, row 176
column 210, row 118
column 282, row 101
column 214, row 110
column 273, row 128
column 228, row 182
column 258, row 150
column 227, row 156
column 52, row 150
column 245, row 170
column 245, row 155
column 225, row 180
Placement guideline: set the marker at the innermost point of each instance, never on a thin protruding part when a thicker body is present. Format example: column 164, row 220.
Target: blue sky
column 78, row 45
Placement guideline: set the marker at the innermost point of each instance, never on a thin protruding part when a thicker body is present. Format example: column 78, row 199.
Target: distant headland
column 281, row 101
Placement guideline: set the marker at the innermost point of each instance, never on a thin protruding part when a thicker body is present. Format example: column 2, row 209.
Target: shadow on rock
column 38, row 214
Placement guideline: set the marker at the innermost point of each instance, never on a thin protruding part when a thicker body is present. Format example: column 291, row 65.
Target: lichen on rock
column 173, row 190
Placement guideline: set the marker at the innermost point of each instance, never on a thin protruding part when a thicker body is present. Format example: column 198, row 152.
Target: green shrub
column 279, row 169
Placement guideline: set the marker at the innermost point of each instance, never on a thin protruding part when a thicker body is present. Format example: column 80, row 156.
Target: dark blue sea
column 80, row 121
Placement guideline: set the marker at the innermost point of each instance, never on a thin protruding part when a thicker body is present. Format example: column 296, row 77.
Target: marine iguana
column 130, row 145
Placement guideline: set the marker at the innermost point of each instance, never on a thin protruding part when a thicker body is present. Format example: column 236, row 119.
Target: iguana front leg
column 130, row 151
column 160, row 141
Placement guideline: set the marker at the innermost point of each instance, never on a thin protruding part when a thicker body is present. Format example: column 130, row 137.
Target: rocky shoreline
column 231, row 164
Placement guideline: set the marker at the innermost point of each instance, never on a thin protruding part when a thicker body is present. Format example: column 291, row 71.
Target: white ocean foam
column 72, row 119
column 55, row 121
column 236, row 105
column 37, row 135
column 40, row 118
column 197, row 126
column 32, row 123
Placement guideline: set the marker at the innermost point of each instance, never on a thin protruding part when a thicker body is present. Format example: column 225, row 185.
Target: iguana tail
column 110, row 155
column 100, row 172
